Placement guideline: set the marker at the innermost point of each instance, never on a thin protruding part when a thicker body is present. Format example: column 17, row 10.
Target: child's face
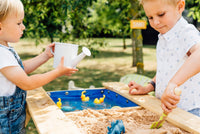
column 163, row 16
column 11, row 29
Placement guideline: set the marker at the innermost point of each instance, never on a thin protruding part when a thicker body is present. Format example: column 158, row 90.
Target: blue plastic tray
column 72, row 98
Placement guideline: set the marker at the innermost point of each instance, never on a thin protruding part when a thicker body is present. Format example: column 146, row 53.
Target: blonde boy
column 14, row 80
column 178, row 54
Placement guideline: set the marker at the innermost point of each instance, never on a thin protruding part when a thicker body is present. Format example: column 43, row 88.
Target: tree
column 61, row 20
column 137, row 44
column 111, row 18
column 70, row 20
column 41, row 18
column 193, row 7
column 115, row 16
column 118, row 16
column 50, row 18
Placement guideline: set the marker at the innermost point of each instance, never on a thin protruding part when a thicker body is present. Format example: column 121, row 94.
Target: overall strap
column 18, row 91
column 15, row 54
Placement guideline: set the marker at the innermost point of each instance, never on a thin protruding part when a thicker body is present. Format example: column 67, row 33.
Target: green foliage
column 56, row 19
column 73, row 20
column 62, row 20
column 44, row 18
column 110, row 17
column 120, row 17
column 194, row 9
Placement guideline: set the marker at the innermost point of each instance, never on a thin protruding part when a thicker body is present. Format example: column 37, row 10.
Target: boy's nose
column 156, row 22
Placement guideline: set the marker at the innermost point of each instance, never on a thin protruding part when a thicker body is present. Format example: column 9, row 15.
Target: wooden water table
column 49, row 119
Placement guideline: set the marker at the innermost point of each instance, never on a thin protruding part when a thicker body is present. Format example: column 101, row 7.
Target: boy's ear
column 181, row 6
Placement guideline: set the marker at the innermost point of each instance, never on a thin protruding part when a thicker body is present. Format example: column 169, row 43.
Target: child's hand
column 47, row 51
column 135, row 88
column 65, row 70
column 169, row 100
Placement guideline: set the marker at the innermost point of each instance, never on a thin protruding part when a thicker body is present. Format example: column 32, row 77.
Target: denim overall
column 12, row 109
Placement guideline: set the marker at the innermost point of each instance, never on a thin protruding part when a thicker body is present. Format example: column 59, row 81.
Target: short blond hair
column 173, row 2
column 10, row 6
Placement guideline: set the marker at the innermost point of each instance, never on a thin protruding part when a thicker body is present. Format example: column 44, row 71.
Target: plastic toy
column 115, row 107
column 59, row 103
column 97, row 101
column 116, row 127
column 83, row 97
column 64, row 108
column 67, row 108
column 100, row 100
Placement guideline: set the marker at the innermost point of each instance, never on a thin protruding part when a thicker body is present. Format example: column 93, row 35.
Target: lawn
column 110, row 64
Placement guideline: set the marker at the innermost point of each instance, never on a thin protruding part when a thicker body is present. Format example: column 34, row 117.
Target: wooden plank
column 28, row 116
column 47, row 117
column 177, row 117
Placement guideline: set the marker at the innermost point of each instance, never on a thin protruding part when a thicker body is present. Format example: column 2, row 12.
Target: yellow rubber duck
column 97, row 101
column 102, row 99
column 83, row 97
column 59, row 103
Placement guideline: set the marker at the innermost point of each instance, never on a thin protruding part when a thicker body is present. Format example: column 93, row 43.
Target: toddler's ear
column 0, row 27
column 181, row 6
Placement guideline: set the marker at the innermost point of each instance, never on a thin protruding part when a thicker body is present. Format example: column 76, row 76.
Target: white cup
column 69, row 51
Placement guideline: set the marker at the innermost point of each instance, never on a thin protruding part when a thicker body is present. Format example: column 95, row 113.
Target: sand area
column 136, row 121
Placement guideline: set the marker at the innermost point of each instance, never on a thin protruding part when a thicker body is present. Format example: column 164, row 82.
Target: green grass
column 109, row 65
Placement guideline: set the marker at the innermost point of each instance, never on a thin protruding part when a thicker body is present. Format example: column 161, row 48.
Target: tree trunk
column 124, row 41
column 137, row 43
column 134, row 62
column 139, row 54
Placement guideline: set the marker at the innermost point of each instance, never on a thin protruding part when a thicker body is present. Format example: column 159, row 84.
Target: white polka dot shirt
column 172, row 48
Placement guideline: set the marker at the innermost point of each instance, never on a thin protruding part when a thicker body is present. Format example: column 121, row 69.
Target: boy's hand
column 169, row 100
column 65, row 70
column 135, row 88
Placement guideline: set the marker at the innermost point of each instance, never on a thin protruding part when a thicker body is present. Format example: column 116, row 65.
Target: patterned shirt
column 172, row 48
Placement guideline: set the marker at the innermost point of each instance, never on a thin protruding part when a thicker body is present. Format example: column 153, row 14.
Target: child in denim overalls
column 178, row 54
column 14, row 80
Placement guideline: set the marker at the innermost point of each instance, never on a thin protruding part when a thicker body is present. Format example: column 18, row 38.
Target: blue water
column 73, row 100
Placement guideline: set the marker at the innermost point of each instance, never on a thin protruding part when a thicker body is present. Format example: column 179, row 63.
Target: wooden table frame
column 49, row 119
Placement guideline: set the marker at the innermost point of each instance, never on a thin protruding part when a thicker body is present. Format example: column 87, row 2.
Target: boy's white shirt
column 7, row 59
column 171, row 54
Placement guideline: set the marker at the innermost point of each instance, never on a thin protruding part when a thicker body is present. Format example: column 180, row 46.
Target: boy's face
column 163, row 16
column 11, row 29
